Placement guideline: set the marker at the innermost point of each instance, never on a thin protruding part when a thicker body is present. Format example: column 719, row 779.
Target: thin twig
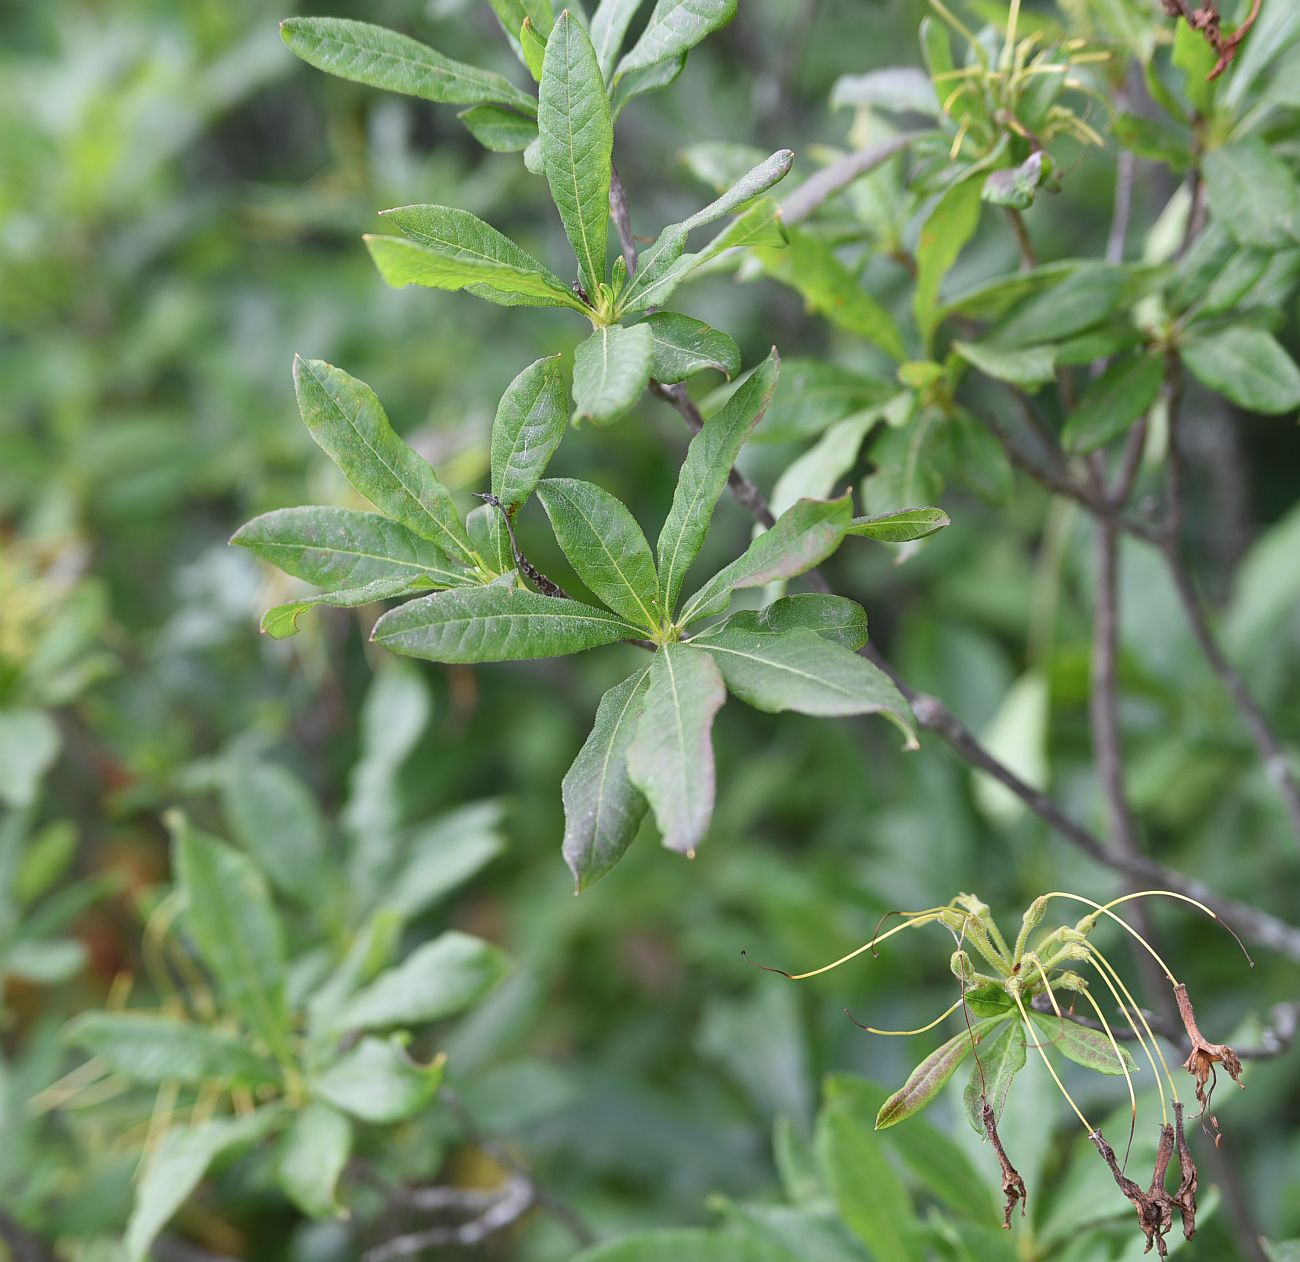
column 840, row 174
column 934, row 716
column 622, row 220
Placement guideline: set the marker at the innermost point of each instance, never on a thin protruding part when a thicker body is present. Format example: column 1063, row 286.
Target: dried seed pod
column 1203, row 1057
column 1185, row 1198
column 1013, row 1186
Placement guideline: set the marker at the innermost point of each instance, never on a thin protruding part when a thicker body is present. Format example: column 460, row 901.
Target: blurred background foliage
column 180, row 209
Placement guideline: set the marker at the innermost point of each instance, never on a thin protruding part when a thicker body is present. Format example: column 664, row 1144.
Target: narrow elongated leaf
column 603, row 809
column 577, row 137
column 381, row 58
column 1030, row 366
column 608, row 28
column 1112, row 403
column 497, row 624
column 530, row 422
column 605, row 546
column 834, row 618
column 312, row 1153
column 803, row 671
column 513, row 13
column 950, row 226
column 869, row 1196
column 440, row 856
column 1089, row 1048
column 446, row 248
column 177, row 1168
column 151, row 1048
column 675, row 27
column 927, row 1079
column 1078, row 296
column 437, row 980
column 378, row 1082
column 349, row 425
column 902, row 526
column 803, row 536
column 659, row 270
column 670, row 758
column 610, row 372
column 895, row 89
column 704, row 475
column 815, row 394
column 1247, row 366
column 532, row 44
column 275, row 817
column 1002, row 1056
column 809, row 266
column 229, row 915
column 1253, row 194
column 683, row 347
column 650, row 79
column 501, row 131
column 281, row 621
column 341, row 548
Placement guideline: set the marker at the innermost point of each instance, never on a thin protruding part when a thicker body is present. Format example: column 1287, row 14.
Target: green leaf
column 274, row 816
column 869, row 1195
column 442, row 855
column 381, row 58
column 1089, row 1048
column 950, row 226
column 895, row 89
column 608, row 28
column 683, row 347
column 179, row 1165
column 577, row 144
column 281, row 621
column 1032, row 366
column 682, row 1244
column 603, row 809
column 448, row 248
column 925, row 1081
column 530, row 422
column 378, row 1082
column 311, row 1155
column 532, row 45
column 989, row 1000
column 370, row 950
column 670, row 758
column 1253, row 194
column 902, row 526
column 229, row 915
column 610, row 372
column 809, row 266
column 342, row 548
column 349, row 425
column 500, row 130
column 150, row 1048
column 803, row 537
column 704, row 473
column 1113, row 402
column 437, row 980
column 1001, row 1056
column 1247, row 366
column 605, row 546
column 1076, row 297
column 675, row 27
column 834, row 618
column 803, row 671
column 650, row 79
column 815, row 394
column 512, row 14
column 933, row 1158
column 496, row 624
column 662, row 266
column 29, row 744
column 1017, row 186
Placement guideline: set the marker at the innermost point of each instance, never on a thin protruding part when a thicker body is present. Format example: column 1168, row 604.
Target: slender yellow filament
column 54, row 1096
column 943, row 1016
column 1109, row 974
column 960, row 137
column 160, row 1120
column 1182, row 898
column 1119, row 1056
column 918, row 918
column 1013, row 19
column 949, row 17
column 1038, row 1047
column 1124, row 924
